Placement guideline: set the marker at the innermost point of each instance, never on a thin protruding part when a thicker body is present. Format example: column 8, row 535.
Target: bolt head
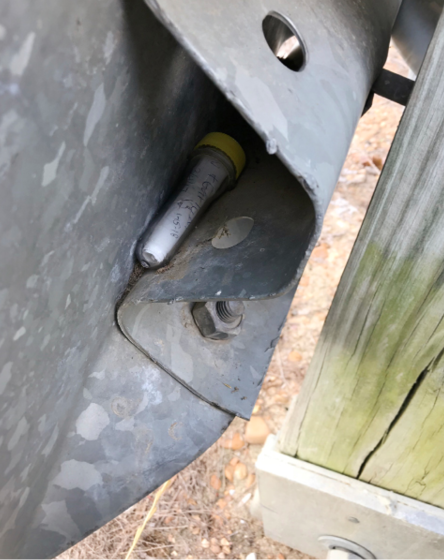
column 209, row 323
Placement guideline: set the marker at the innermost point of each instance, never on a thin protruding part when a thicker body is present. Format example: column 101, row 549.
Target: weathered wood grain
column 409, row 461
column 372, row 379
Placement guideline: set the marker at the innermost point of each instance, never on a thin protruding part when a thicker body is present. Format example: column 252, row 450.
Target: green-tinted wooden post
column 371, row 405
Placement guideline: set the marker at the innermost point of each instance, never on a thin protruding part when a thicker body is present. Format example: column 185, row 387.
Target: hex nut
column 209, row 323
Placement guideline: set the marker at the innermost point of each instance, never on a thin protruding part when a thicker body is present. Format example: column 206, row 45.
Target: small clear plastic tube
column 214, row 166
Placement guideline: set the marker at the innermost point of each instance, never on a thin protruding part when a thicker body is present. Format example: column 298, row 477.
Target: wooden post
column 371, row 405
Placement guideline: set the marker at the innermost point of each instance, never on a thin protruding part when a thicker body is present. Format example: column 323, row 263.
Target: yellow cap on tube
column 228, row 145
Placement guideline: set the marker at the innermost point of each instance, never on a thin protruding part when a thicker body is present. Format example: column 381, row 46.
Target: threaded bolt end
column 229, row 311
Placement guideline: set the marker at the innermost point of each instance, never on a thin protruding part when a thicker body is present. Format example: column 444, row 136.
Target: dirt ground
column 205, row 513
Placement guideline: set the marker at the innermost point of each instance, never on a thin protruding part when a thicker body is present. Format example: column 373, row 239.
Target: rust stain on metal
column 124, row 407
column 172, row 431
column 164, row 268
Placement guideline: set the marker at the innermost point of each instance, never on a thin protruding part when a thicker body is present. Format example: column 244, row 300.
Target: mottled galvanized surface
column 132, row 428
column 94, row 125
column 227, row 373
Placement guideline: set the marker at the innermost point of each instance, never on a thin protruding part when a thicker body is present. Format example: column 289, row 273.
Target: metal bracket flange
column 265, row 264
column 228, row 373
column 156, row 314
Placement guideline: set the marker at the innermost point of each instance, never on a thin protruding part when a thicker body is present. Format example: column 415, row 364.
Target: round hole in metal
column 233, row 232
column 283, row 41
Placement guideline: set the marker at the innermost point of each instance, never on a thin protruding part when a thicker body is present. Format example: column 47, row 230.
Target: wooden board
column 369, row 405
column 417, row 434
